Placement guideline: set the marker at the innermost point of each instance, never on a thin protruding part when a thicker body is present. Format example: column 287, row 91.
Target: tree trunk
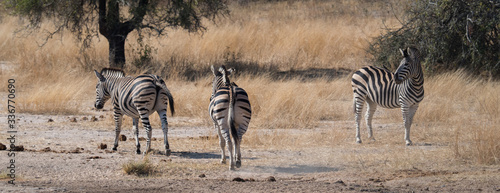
column 117, row 50
column 115, row 31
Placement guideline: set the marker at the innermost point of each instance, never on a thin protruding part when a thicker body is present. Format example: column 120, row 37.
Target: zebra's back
column 141, row 93
column 376, row 84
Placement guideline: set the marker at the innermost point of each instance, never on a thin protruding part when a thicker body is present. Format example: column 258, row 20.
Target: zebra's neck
column 412, row 89
column 112, row 84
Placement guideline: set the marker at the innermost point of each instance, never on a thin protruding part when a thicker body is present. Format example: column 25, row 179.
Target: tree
column 115, row 19
column 450, row 34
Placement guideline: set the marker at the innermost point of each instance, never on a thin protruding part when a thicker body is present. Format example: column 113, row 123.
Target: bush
column 450, row 34
column 139, row 168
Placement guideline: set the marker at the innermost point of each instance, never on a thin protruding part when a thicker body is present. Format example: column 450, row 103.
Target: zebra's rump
column 242, row 107
column 376, row 84
column 219, row 106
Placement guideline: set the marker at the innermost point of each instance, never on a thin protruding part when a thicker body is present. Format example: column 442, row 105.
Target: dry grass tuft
column 139, row 168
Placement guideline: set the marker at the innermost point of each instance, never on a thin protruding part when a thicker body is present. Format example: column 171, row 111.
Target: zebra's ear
column 212, row 68
column 99, row 76
column 412, row 52
column 231, row 71
column 404, row 52
column 224, row 73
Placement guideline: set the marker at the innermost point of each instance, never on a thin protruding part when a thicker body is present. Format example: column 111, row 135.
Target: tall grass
column 458, row 110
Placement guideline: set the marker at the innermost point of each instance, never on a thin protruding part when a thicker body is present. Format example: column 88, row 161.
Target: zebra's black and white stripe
column 231, row 112
column 137, row 97
column 378, row 86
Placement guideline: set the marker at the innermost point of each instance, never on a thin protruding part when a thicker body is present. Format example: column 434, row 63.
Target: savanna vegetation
column 294, row 58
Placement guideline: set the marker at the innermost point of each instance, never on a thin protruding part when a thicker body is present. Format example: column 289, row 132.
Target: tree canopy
column 450, row 34
column 115, row 19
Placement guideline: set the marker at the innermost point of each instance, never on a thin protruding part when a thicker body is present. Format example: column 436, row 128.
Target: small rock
column 17, row 148
column 340, row 182
column 77, row 150
column 47, row 149
column 2, row 146
column 50, row 120
column 93, row 119
column 94, row 157
column 72, row 120
column 202, row 175
column 271, row 179
column 238, row 179
column 102, row 146
column 101, row 116
column 85, row 118
column 122, row 138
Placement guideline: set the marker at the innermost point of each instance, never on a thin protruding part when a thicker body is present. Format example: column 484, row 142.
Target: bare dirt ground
column 62, row 155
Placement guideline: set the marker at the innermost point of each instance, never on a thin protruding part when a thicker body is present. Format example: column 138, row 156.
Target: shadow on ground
column 297, row 169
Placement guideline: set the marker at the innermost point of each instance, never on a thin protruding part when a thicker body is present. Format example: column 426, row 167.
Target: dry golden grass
column 139, row 168
column 458, row 110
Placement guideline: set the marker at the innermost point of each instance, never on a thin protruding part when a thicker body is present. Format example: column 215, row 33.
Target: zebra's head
column 221, row 77
column 409, row 66
column 102, row 94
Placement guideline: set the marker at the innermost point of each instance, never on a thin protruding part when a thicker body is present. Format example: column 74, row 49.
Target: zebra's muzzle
column 98, row 106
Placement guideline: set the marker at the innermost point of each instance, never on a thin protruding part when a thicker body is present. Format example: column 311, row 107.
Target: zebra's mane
column 112, row 72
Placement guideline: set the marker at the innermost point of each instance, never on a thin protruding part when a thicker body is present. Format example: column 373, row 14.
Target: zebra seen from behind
column 230, row 112
column 137, row 97
column 377, row 86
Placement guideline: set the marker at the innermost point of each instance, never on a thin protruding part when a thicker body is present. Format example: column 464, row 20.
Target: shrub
column 139, row 168
column 451, row 34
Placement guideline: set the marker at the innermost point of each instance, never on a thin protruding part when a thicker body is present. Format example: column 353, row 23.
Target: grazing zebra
column 231, row 113
column 377, row 86
column 136, row 97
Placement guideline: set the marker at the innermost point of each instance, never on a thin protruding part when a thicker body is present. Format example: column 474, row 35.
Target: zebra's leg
column 147, row 126
column 358, row 108
column 224, row 128
column 118, row 124
column 408, row 113
column 370, row 110
column 222, row 144
column 238, row 152
column 135, row 127
column 164, row 127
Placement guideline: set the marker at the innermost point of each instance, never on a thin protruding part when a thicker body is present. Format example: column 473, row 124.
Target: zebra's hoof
column 138, row 152
column 409, row 143
column 223, row 161
column 115, row 149
column 358, row 141
column 238, row 163
column 168, row 152
column 231, row 168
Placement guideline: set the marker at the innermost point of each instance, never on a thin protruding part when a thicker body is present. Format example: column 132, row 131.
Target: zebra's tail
column 232, row 101
column 160, row 83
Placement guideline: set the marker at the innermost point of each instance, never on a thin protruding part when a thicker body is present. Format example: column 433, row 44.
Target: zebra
column 377, row 86
column 230, row 112
column 137, row 97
